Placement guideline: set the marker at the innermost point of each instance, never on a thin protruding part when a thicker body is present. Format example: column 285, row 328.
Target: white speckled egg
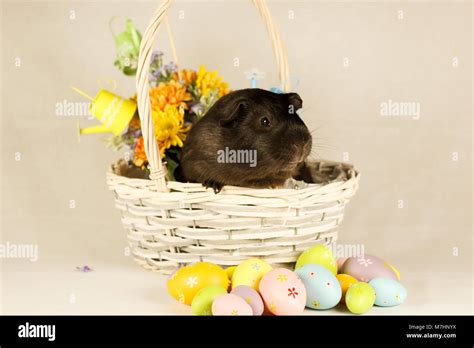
column 323, row 290
column 388, row 292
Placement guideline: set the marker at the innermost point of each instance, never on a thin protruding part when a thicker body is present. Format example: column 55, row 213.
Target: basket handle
column 157, row 168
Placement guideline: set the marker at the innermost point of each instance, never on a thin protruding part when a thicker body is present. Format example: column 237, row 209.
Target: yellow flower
column 170, row 93
column 208, row 80
column 169, row 127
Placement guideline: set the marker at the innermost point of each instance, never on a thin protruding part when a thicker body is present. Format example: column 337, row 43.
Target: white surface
column 47, row 288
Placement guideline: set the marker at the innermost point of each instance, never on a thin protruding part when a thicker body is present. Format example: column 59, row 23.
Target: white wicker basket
column 172, row 223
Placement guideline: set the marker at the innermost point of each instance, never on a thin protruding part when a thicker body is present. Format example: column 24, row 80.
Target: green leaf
column 171, row 166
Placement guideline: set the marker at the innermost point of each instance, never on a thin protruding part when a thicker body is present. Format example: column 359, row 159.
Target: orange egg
column 346, row 281
column 187, row 281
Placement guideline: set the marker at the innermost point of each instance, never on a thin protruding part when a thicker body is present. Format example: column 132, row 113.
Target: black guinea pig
column 250, row 137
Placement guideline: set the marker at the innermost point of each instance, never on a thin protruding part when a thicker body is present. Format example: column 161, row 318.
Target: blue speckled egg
column 323, row 290
column 388, row 292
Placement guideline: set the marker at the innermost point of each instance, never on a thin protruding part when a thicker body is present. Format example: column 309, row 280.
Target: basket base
column 169, row 267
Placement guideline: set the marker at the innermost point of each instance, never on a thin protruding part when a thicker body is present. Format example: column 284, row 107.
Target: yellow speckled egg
column 250, row 272
column 187, row 281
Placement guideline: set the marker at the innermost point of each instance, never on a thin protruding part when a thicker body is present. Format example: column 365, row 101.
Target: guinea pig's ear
column 234, row 114
column 294, row 102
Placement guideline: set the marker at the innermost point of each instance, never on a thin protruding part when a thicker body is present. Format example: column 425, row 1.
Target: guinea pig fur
column 250, row 137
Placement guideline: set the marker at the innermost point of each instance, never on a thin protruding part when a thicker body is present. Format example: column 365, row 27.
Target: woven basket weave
column 172, row 223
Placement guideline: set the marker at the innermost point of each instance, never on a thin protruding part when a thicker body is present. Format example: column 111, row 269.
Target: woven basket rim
column 352, row 172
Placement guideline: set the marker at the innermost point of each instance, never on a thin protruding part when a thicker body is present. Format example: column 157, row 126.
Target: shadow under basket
column 190, row 223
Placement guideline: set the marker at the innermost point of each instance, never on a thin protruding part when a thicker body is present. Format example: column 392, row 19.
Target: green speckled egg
column 360, row 297
column 318, row 254
column 202, row 302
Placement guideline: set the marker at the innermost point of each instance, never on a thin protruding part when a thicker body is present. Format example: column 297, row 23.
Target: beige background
column 407, row 59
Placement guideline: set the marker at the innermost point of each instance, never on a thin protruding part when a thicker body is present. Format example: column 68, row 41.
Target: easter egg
column 184, row 284
column 249, row 273
column 396, row 271
column 322, row 288
column 318, row 254
column 230, row 271
column 202, row 302
column 388, row 292
column 366, row 267
column 251, row 296
column 283, row 292
column 340, row 261
column 360, row 297
column 231, row 304
column 345, row 281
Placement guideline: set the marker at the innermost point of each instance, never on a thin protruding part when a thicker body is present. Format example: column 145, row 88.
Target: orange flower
column 170, row 93
column 188, row 76
column 139, row 158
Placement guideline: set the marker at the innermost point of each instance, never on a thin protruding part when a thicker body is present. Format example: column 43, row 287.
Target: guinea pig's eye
column 265, row 122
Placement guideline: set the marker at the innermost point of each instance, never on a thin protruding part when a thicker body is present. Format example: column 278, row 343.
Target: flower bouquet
column 179, row 97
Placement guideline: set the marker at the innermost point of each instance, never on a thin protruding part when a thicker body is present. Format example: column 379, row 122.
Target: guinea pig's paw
column 216, row 186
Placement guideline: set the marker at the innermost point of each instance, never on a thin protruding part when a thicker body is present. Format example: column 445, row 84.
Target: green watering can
column 128, row 46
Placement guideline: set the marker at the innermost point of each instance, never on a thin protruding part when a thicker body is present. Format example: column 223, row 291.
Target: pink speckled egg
column 340, row 262
column 251, row 296
column 365, row 268
column 283, row 292
column 230, row 304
